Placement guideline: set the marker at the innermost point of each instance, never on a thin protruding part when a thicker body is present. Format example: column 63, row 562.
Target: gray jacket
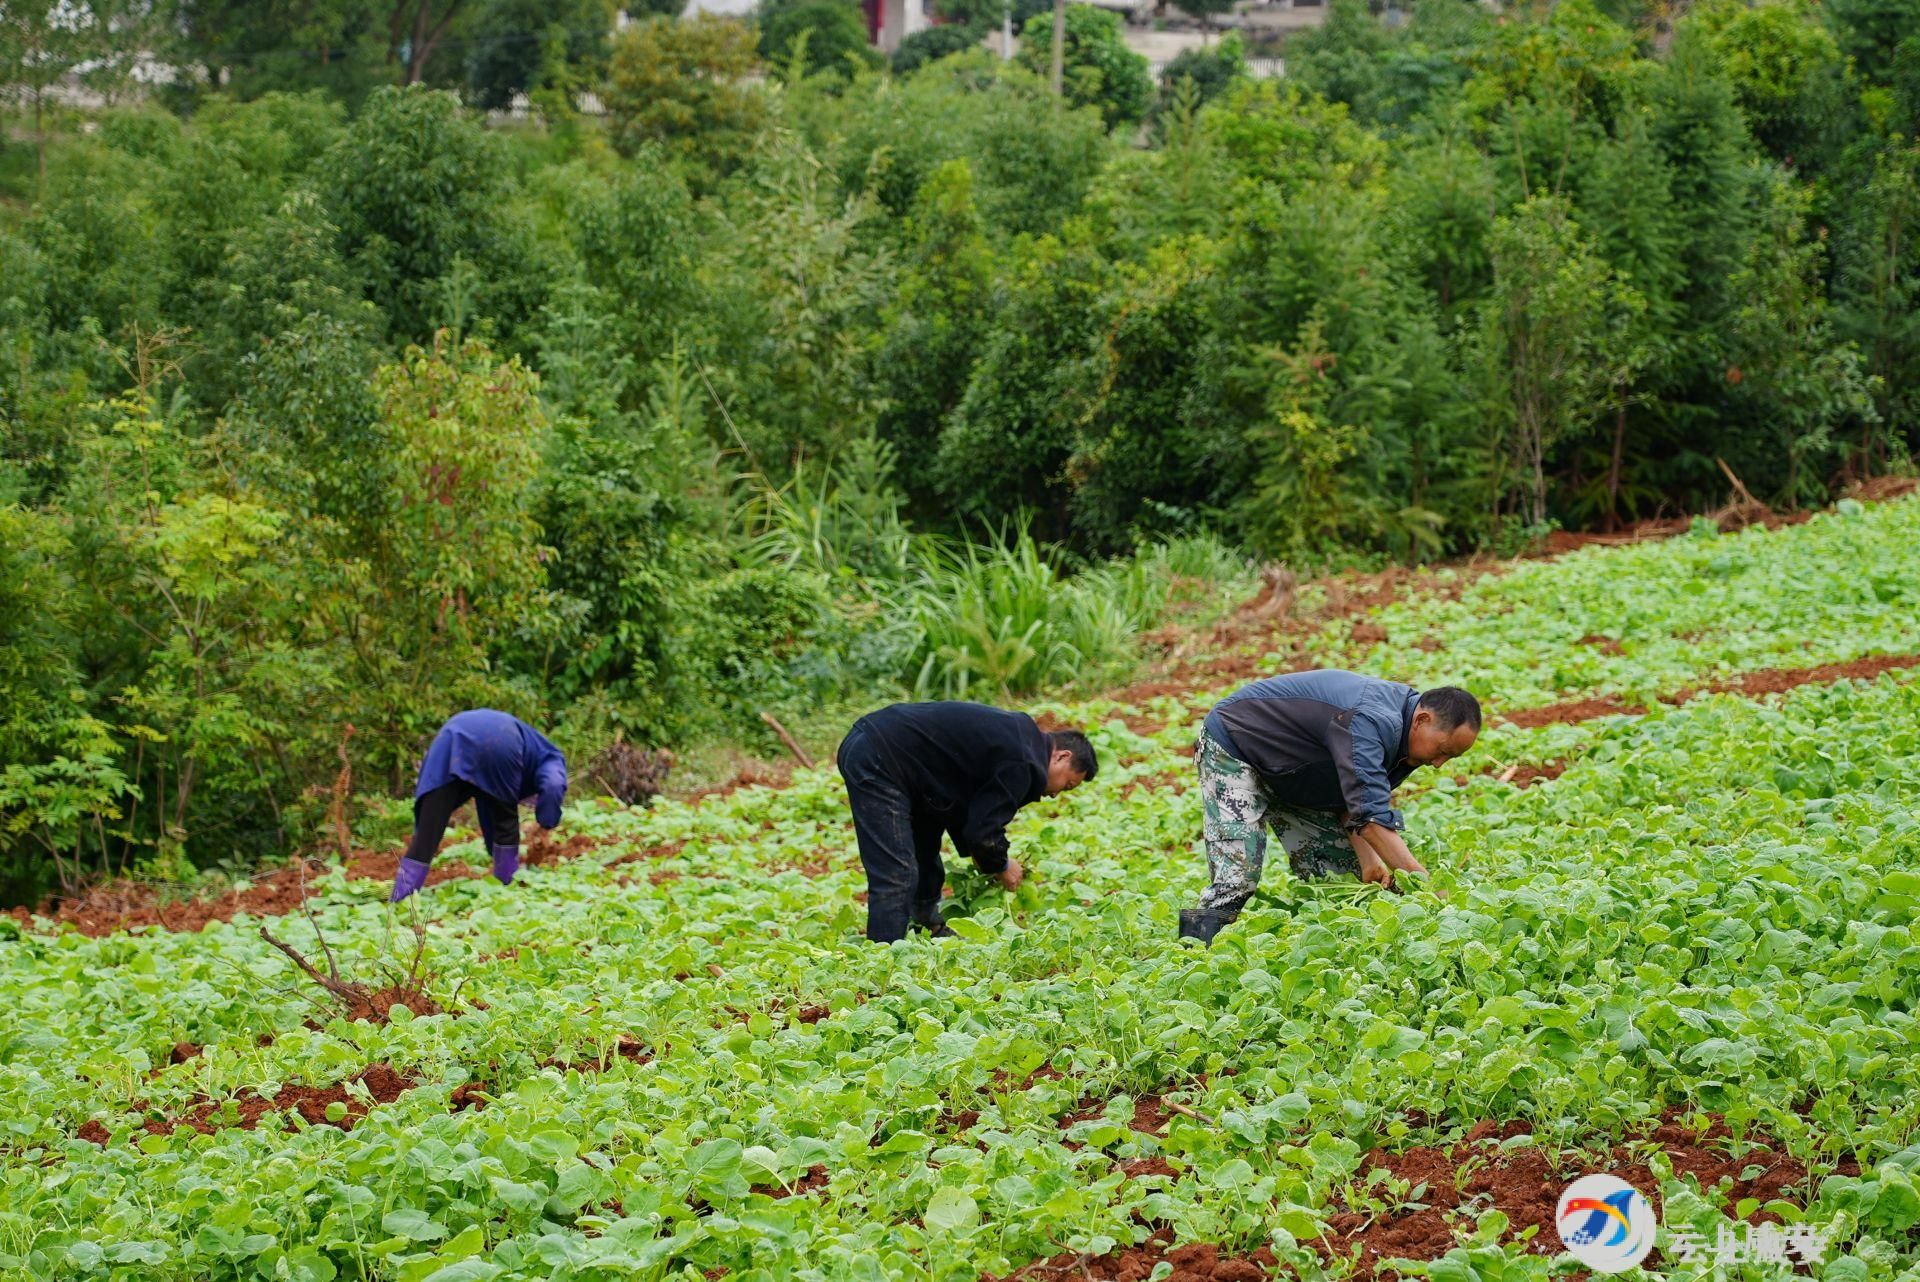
column 1326, row 740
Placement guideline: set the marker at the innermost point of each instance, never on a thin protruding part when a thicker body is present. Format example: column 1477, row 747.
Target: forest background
column 793, row 379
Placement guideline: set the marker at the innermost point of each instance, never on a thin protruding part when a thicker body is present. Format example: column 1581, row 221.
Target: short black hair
column 1076, row 743
column 1452, row 708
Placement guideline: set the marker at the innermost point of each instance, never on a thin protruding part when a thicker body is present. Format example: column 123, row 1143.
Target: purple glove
column 506, row 862
column 411, row 875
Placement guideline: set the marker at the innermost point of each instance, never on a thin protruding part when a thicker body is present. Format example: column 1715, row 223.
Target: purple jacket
column 502, row 756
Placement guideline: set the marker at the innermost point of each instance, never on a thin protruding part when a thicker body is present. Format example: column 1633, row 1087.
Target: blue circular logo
column 1605, row 1223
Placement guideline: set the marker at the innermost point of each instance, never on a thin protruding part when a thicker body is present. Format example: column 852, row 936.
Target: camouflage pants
column 1238, row 814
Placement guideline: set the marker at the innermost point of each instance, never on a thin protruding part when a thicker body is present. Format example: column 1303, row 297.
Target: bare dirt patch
column 1193, row 1262
column 1604, row 705
column 1469, row 1177
column 1605, row 645
column 543, row 848
column 750, row 774
column 665, row 850
column 811, row 1181
column 128, row 905
column 1174, row 781
column 382, row 1082
column 1151, row 1114
column 1780, row 680
column 1521, row 776
column 630, row 1049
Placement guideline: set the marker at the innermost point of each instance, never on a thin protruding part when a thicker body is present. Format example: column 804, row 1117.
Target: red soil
column 1195, row 1262
column 752, row 774
column 1604, row 705
column 1175, row 781
column 1524, row 776
column 1779, row 680
column 811, row 1181
column 373, row 1006
column 1144, row 1166
column 1150, row 1115
column 1606, row 645
column 127, row 905
column 665, row 850
column 471, row 1095
column 310, row 1102
column 624, row 1047
column 1525, row 1184
column 542, row 848
column 108, row 907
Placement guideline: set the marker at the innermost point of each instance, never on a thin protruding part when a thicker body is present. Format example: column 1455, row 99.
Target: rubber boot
column 506, row 862
column 1202, row 923
column 408, row 878
column 934, row 924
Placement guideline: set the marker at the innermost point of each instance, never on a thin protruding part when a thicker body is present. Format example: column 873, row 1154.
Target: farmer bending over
column 496, row 761
column 1316, row 756
column 917, row 770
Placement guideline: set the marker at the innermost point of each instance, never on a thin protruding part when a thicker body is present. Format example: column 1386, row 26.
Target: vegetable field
column 1670, row 933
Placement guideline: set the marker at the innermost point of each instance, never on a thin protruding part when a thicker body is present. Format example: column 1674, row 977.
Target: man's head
column 1070, row 762
column 1446, row 721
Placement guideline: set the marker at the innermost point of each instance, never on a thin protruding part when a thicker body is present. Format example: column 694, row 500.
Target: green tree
column 639, row 239
column 250, row 47
column 934, row 323
column 1205, row 10
column 834, row 32
column 680, row 84
column 421, row 195
column 1180, row 188
column 520, row 46
column 1146, row 457
column 1871, row 32
column 1207, row 70
column 1100, row 70
column 1555, row 334
column 454, row 566
column 1803, row 388
column 1006, row 444
column 1878, row 287
column 1780, row 58
column 41, row 41
column 1274, row 134
column 805, row 319
column 933, row 44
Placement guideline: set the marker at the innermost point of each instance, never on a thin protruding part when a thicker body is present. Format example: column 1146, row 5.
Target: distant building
column 888, row 21
column 891, row 21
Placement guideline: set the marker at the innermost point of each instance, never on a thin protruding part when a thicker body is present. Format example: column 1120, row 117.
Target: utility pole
column 1059, row 47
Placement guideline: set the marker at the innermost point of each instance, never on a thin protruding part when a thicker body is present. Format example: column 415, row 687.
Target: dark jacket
column 500, row 755
column 1327, row 740
column 970, row 765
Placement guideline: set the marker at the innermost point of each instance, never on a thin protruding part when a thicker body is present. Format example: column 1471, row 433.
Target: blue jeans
column 899, row 841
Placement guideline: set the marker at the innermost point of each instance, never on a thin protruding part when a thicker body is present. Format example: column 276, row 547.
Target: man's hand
column 1013, row 874
column 1388, row 853
column 1372, row 867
